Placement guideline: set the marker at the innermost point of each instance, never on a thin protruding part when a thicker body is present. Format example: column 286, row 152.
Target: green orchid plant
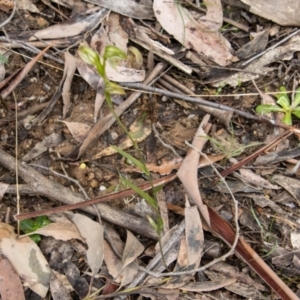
column 112, row 55
column 283, row 105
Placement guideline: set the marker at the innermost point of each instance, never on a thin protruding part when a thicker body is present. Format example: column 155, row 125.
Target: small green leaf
column 296, row 101
column 135, row 161
column 267, row 108
column 112, row 51
column 284, row 102
column 140, row 192
column 27, row 225
column 36, row 238
column 41, row 221
column 287, row 119
column 113, row 88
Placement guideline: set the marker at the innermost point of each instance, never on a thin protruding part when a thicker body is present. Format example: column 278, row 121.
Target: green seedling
column 284, row 105
column 31, row 225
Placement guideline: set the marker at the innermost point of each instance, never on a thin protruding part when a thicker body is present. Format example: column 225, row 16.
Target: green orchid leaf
column 139, row 191
column 287, row 119
column 284, row 102
column 113, row 88
column 112, row 51
column 296, row 100
column 135, row 161
column 267, row 108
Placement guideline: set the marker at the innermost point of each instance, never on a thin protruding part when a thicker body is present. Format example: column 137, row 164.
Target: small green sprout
column 31, row 225
column 285, row 106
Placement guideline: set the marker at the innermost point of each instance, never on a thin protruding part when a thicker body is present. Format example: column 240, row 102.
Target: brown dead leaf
column 52, row 140
column 75, row 26
column 282, row 12
column 121, row 275
column 133, row 248
column 189, row 169
column 69, row 72
column 117, row 35
column 26, row 258
column 78, row 130
column 92, row 232
column 203, row 37
column 10, row 284
column 194, row 237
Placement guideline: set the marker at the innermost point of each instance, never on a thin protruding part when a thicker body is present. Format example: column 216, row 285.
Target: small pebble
column 94, row 183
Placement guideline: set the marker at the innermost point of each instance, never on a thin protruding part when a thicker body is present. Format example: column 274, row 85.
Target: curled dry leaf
column 202, row 37
column 26, row 258
column 69, row 72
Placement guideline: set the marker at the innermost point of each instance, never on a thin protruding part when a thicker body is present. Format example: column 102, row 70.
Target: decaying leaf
column 92, row 232
column 133, row 248
column 114, row 266
column 203, row 37
column 69, row 72
column 187, row 172
column 286, row 12
column 52, row 140
column 78, row 130
column 194, row 237
column 26, row 258
column 10, row 284
column 73, row 27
